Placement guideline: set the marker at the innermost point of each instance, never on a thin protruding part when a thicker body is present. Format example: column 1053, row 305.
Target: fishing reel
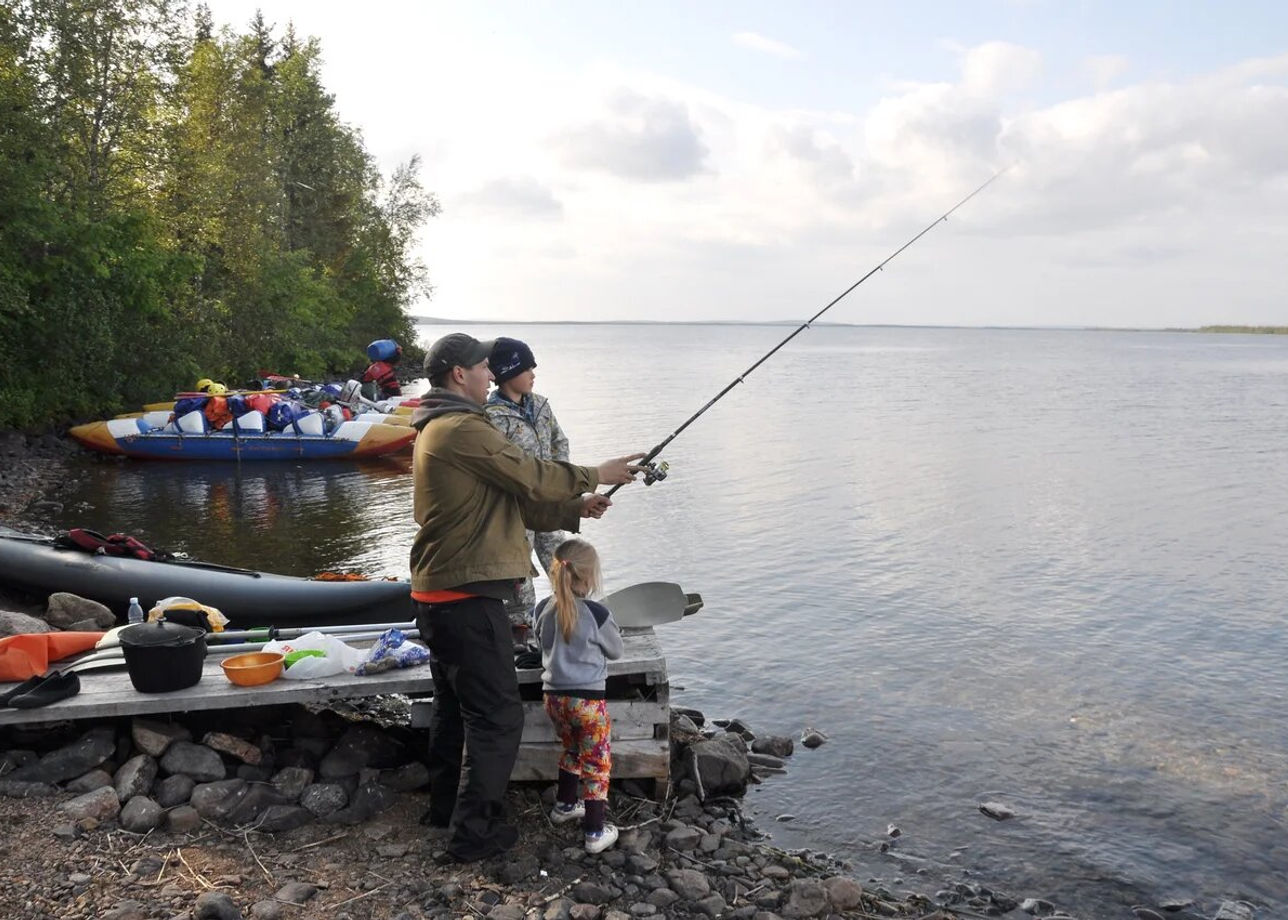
column 655, row 472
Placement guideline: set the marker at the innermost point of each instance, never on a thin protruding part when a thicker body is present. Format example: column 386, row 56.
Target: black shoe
column 503, row 838
column 31, row 683
column 53, row 688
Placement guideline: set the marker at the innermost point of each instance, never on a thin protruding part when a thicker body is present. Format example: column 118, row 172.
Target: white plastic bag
column 337, row 658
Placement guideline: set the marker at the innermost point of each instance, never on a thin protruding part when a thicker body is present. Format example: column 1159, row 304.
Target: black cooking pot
column 161, row 656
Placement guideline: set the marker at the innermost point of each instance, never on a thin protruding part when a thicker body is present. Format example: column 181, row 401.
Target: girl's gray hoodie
column 578, row 666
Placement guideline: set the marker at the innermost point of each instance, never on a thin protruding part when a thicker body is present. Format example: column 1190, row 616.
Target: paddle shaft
column 116, row 653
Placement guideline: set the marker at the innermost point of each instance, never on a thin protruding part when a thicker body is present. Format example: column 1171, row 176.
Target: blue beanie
column 510, row 358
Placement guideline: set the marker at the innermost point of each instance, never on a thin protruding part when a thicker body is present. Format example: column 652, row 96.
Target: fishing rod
column 654, row 472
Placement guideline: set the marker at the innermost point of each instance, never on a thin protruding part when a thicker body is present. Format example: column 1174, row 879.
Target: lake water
column 1044, row 568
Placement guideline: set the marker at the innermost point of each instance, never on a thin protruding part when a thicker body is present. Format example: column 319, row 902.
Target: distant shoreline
column 440, row 321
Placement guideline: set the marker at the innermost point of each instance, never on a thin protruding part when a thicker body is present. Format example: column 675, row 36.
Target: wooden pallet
column 639, row 707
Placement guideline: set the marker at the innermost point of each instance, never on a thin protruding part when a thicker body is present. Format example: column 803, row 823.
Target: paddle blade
column 649, row 603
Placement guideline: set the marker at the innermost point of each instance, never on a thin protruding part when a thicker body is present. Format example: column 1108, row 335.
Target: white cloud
column 757, row 42
column 681, row 201
column 638, row 138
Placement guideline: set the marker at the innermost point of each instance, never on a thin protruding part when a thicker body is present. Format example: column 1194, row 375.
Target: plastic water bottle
column 136, row 612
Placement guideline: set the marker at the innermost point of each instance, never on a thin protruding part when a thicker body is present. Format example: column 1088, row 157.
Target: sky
column 751, row 160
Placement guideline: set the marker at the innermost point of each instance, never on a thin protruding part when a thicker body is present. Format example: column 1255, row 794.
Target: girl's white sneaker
column 598, row 843
column 562, row 814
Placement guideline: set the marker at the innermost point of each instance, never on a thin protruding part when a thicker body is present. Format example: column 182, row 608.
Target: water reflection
column 294, row 519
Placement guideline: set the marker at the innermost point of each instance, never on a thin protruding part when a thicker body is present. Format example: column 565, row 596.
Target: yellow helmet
column 204, row 384
column 216, row 389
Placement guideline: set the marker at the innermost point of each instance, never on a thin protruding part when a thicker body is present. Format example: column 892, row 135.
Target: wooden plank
column 109, row 693
column 632, row 759
column 641, row 655
column 630, row 719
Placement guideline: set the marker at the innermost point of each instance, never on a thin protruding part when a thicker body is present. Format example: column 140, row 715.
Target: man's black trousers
column 476, row 705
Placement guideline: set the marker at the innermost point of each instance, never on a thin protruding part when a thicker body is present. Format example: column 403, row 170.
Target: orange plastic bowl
column 253, row 668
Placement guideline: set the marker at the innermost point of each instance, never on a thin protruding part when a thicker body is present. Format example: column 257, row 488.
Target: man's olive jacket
column 476, row 495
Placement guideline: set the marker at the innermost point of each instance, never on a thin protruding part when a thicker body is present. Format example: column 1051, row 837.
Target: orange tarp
column 29, row 654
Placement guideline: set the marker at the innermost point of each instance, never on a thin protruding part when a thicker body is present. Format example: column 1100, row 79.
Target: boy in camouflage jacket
column 527, row 420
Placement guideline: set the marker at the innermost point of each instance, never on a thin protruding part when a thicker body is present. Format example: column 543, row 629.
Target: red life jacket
column 385, row 377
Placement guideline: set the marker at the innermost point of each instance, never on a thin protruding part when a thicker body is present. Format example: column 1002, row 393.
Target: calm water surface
column 1044, row 568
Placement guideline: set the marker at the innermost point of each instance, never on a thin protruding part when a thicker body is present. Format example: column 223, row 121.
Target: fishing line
column 656, row 472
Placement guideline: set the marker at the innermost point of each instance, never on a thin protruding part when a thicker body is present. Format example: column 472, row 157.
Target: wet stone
column 135, row 777
column 76, row 759
column 174, row 790
column 292, row 781
column 152, row 737
column 141, row 815
column 101, row 804
column 26, row 789
column 267, row 910
column 324, row 798
column 215, row 905
column 773, row 745
column 195, row 760
column 182, row 819
column 296, row 892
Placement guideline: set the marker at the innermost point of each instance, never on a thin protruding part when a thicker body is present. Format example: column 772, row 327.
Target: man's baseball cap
column 455, row 350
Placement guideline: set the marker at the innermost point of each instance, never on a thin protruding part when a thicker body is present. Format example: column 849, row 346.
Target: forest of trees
column 178, row 202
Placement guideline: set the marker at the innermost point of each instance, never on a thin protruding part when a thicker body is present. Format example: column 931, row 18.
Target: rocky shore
column 32, row 470
column 311, row 814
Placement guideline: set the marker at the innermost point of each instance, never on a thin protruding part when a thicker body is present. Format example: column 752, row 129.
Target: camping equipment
column 248, row 598
column 253, row 668
column 651, row 603
column 161, row 656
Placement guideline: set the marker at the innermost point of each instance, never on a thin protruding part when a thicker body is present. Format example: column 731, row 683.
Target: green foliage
column 177, row 202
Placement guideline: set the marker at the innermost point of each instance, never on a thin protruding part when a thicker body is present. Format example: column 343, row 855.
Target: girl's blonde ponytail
column 574, row 573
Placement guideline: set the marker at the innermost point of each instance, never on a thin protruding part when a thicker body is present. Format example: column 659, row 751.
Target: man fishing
column 475, row 496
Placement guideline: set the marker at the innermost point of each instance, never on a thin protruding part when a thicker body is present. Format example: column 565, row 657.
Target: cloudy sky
column 750, row 160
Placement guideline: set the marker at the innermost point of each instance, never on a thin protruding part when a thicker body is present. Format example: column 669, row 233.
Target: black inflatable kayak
column 247, row 598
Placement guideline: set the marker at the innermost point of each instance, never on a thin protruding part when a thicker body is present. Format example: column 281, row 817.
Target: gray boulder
column 76, row 759
column 13, row 623
column 135, row 777
column 216, row 800
column 101, row 804
column 806, row 897
column 182, row 820
column 215, row 905
column 195, row 760
column 174, row 790
column 153, row 737
column 64, row 609
column 324, row 798
column 26, row 789
column 720, row 765
column 141, row 815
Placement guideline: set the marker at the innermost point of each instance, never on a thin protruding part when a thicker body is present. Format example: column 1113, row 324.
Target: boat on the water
column 248, row 598
column 157, row 435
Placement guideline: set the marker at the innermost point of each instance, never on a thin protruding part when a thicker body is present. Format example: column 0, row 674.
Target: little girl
column 578, row 637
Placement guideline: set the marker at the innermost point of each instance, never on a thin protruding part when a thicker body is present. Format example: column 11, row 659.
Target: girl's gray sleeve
column 610, row 639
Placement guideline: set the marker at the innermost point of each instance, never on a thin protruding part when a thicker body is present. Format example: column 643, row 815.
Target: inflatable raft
column 248, row 598
column 154, row 435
